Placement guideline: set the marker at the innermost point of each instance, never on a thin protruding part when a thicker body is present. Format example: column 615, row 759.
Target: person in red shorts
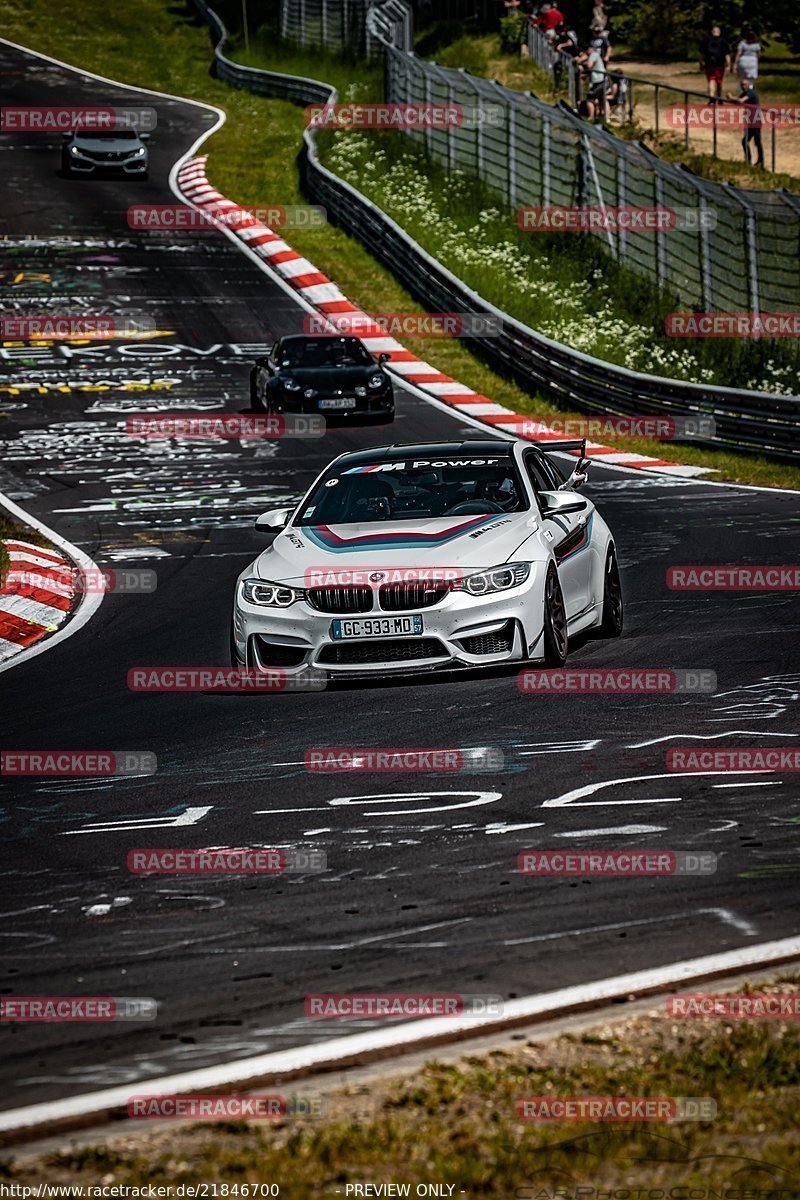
column 715, row 60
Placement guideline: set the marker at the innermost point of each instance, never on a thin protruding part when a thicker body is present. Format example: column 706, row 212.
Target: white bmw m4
column 409, row 558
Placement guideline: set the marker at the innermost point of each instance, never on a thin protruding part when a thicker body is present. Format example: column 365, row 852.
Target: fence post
column 686, row 119
column 546, row 165
column 705, row 256
column 661, row 252
column 622, row 197
column 751, row 243
column 658, row 95
column 589, row 157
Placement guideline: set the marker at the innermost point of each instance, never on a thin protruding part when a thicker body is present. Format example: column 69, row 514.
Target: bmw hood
column 307, row 555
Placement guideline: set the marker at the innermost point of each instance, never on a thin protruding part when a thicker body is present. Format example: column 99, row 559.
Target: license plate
column 338, row 402
column 377, row 627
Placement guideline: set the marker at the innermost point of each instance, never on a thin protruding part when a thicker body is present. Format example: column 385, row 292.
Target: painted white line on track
column 411, row 1035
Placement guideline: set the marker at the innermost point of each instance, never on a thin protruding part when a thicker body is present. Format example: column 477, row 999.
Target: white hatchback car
column 408, row 558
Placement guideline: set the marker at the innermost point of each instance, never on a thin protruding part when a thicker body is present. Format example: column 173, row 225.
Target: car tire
column 556, row 637
column 613, row 608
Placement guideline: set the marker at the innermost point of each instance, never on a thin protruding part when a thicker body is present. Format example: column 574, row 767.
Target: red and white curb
column 37, row 594
column 323, row 295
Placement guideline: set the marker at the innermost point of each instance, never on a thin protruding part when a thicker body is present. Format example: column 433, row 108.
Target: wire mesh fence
column 723, row 248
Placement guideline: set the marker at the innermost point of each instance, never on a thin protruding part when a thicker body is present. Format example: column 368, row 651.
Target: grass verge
column 456, row 1124
column 253, row 157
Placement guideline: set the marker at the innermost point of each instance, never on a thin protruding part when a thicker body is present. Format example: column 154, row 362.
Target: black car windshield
column 408, row 490
column 96, row 135
column 325, row 352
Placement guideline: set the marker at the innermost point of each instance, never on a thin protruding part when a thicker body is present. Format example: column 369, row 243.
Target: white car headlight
column 291, row 385
column 75, row 150
column 496, row 579
column 270, row 595
column 376, row 381
column 138, row 153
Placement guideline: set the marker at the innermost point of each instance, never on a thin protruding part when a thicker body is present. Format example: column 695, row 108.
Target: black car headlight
column 496, row 579
column 309, row 393
column 376, row 381
column 360, row 391
column 270, row 595
column 291, row 385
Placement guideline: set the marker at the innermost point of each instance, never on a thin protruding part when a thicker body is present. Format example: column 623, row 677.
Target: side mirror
column 555, row 504
column 383, row 358
column 578, row 477
column 273, row 521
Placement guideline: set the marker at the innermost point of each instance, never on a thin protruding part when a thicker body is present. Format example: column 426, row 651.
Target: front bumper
column 379, row 403
column 460, row 630
column 85, row 166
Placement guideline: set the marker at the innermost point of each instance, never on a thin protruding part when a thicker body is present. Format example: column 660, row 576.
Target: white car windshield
column 413, row 490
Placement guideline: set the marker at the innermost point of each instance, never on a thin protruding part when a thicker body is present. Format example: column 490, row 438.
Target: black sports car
column 331, row 376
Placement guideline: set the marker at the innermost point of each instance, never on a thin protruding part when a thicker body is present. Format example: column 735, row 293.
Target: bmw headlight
column 376, row 381
column 496, row 579
column 270, row 595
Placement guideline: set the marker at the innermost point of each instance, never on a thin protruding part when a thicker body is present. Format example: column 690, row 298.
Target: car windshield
column 325, row 352
column 414, row 489
column 96, row 135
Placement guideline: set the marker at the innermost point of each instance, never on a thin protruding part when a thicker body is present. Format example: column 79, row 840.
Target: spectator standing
column 715, row 60
column 754, row 119
column 595, row 68
column 599, row 15
column 549, row 19
column 601, row 41
column 748, row 53
column 617, row 93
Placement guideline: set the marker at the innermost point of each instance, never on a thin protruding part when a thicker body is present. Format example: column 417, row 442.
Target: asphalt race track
column 421, row 892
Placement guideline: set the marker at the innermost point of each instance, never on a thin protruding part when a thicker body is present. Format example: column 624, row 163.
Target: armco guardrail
column 759, row 422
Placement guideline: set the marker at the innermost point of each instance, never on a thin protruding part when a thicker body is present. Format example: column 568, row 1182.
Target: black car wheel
column 613, row 608
column 556, row 640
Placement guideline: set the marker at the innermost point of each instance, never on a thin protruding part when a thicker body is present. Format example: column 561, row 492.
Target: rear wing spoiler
column 578, row 444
